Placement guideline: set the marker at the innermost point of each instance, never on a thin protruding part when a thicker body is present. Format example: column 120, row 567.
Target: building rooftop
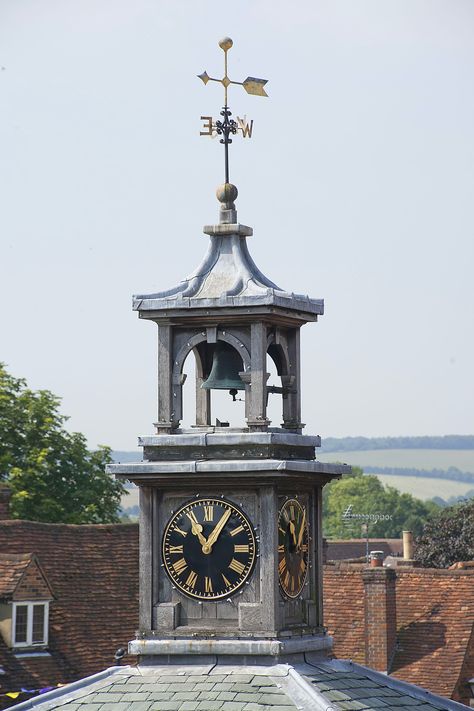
column 331, row 686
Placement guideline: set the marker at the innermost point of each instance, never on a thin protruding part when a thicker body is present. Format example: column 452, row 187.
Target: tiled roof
column 351, row 687
column 93, row 573
column 331, row 686
column 435, row 615
column 12, row 568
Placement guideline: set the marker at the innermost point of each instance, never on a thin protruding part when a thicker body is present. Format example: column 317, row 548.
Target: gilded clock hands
column 196, row 529
column 293, row 532
column 300, row 535
column 215, row 533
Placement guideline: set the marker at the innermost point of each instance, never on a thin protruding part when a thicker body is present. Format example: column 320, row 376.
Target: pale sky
column 358, row 182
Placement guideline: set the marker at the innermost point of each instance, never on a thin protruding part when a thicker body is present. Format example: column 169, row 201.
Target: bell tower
column 230, row 518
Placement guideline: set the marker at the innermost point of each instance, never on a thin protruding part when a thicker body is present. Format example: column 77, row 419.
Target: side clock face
column 209, row 549
column 292, row 547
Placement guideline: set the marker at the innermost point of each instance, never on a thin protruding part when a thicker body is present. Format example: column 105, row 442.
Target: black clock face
column 293, row 540
column 209, row 549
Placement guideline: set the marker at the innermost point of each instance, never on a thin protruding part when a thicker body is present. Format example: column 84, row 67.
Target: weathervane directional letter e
column 207, row 126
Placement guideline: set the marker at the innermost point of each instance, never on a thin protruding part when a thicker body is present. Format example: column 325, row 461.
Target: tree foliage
column 368, row 495
column 52, row 474
column 448, row 537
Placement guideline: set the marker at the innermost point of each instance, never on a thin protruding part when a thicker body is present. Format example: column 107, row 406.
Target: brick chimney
column 5, row 496
column 380, row 617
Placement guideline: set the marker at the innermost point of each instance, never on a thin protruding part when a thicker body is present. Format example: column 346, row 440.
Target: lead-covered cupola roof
column 227, row 276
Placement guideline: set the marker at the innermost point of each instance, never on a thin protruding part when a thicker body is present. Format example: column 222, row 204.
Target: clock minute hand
column 212, row 538
column 300, row 535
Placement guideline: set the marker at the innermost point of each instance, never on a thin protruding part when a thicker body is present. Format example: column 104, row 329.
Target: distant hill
column 355, row 444
column 121, row 457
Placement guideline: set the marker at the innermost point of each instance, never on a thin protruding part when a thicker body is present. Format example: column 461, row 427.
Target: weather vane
column 228, row 126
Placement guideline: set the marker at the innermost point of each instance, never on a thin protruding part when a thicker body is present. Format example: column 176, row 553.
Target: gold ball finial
column 226, row 43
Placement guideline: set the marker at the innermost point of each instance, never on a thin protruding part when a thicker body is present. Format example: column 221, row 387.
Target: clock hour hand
column 292, row 531
column 196, row 528
column 215, row 533
column 300, row 535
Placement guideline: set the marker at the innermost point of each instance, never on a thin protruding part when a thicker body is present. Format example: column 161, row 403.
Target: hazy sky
column 358, row 182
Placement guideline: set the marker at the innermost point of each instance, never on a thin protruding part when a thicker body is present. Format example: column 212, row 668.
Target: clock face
column 293, row 539
column 209, row 549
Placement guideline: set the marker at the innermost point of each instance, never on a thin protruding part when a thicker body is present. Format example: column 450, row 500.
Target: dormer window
column 30, row 624
column 25, row 595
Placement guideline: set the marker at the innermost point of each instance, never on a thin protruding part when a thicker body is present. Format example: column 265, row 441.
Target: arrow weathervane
column 228, row 126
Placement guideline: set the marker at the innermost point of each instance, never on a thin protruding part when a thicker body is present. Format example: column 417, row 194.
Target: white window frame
column 29, row 624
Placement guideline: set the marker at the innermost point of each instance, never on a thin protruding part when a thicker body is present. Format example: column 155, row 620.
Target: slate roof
column 331, row 686
column 12, row 568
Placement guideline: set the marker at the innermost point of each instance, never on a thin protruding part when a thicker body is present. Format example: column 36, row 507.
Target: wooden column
column 269, row 595
column 165, row 365
column 257, row 414
column 292, row 406
column 146, row 558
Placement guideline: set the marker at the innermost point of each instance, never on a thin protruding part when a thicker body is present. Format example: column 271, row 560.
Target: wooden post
column 269, row 595
column 257, row 416
column 165, row 407
column 292, row 407
column 145, row 558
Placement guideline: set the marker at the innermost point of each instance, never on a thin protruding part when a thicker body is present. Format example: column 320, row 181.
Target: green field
column 421, row 487
column 463, row 459
column 425, row 488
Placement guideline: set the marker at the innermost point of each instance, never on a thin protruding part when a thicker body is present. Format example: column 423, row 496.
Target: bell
column 226, row 365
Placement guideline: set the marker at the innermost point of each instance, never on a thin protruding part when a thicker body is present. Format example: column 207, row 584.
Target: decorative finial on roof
column 228, row 127
column 227, row 194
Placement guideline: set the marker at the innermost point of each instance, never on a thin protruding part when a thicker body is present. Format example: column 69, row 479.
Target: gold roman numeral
column 192, row 516
column 227, row 582
column 191, row 579
column 302, row 565
column 178, row 530
column 208, row 585
column 236, row 530
column 237, row 566
column 281, row 549
column 304, row 547
column 208, row 513
column 292, row 512
column 241, row 549
column 282, row 530
column 286, row 579
column 282, row 566
column 176, row 549
column 180, row 565
column 286, row 516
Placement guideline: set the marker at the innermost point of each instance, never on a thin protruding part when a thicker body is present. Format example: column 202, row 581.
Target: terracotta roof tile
column 93, row 571
column 12, row 568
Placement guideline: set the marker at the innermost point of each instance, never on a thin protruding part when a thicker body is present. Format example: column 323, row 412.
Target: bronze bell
column 226, row 366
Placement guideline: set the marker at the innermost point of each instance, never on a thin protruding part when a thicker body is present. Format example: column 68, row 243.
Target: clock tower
column 230, row 517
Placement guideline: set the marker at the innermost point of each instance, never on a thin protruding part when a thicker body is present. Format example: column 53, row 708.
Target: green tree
column 52, row 474
column 448, row 537
column 367, row 494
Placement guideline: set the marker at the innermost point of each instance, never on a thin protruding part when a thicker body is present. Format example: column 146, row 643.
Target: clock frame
column 293, row 547
column 209, row 548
